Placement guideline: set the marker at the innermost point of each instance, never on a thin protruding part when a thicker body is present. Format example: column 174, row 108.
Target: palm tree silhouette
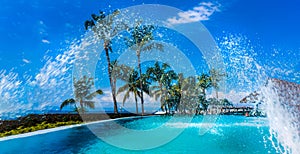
column 190, row 92
column 82, row 94
column 216, row 77
column 163, row 75
column 204, row 82
column 105, row 30
column 174, row 97
column 140, row 41
column 131, row 86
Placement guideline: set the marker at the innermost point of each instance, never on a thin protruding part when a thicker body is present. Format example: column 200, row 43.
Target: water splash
column 244, row 73
column 281, row 99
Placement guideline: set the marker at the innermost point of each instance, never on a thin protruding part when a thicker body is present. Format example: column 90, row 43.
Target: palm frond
column 152, row 88
column 126, row 96
column 123, row 88
column 94, row 94
column 165, row 66
column 90, row 104
column 99, row 92
column 146, row 89
column 156, row 94
column 67, row 102
column 153, row 45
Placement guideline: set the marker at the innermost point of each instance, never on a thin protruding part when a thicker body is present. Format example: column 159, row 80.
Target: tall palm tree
column 164, row 76
column 118, row 72
column 155, row 74
column 131, row 86
column 174, row 97
column 140, row 41
column 82, row 94
column 216, row 77
column 105, row 30
column 204, row 82
column 190, row 92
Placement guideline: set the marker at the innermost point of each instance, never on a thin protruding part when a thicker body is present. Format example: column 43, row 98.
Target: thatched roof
column 251, row 98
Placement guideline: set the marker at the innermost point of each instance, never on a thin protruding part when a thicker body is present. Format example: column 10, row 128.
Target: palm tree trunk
column 110, row 78
column 169, row 107
column 217, row 96
column 165, row 102
column 162, row 95
column 141, row 82
column 81, row 106
column 136, row 104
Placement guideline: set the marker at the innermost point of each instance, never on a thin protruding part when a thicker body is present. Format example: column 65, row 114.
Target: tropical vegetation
column 105, row 30
column 176, row 93
column 141, row 40
column 41, row 126
column 83, row 95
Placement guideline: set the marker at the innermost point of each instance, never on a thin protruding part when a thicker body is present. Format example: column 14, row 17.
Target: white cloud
column 46, row 41
column 199, row 13
column 26, row 61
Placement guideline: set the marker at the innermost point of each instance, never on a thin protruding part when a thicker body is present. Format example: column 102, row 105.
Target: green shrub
column 43, row 125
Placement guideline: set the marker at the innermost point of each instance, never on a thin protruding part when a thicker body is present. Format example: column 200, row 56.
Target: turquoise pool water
column 230, row 134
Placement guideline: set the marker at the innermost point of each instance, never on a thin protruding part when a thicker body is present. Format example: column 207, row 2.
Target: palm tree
column 131, row 87
column 140, row 41
column 204, row 82
column 155, row 74
column 190, row 92
column 174, row 98
column 216, row 77
column 118, row 72
column 82, row 94
column 105, row 30
column 164, row 76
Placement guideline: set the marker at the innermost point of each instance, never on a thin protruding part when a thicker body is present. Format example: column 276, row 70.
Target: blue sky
column 266, row 30
column 31, row 28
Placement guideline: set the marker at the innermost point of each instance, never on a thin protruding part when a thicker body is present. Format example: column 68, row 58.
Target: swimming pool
column 230, row 134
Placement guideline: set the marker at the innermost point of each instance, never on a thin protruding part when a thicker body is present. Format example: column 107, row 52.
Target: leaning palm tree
column 140, row 41
column 105, row 30
column 83, row 95
column 216, row 77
